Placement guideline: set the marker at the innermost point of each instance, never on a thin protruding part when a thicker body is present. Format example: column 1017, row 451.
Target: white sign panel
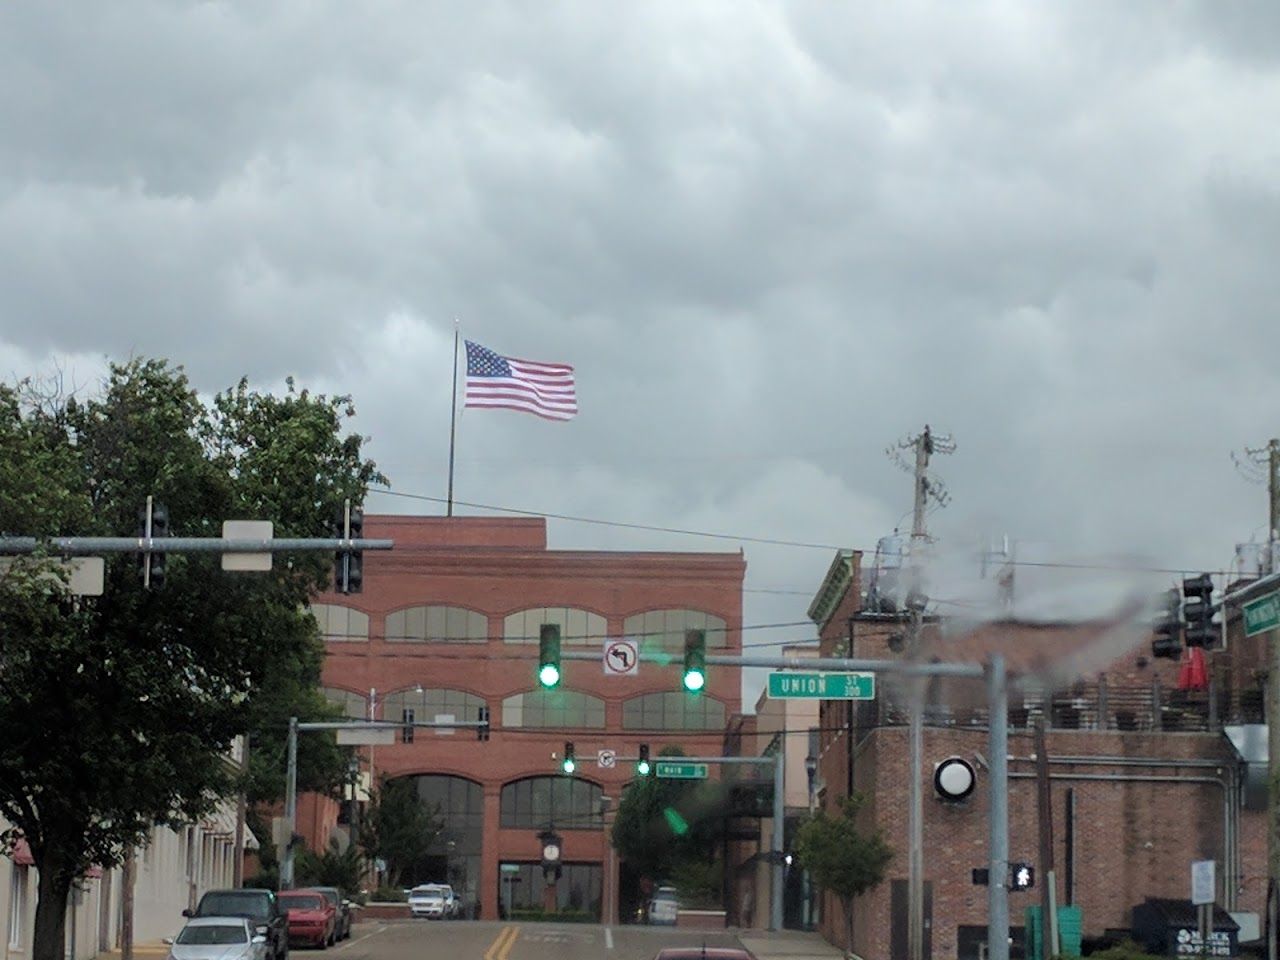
column 247, row 530
column 621, row 658
column 354, row 736
column 608, row 759
column 445, row 718
column 1202, row 882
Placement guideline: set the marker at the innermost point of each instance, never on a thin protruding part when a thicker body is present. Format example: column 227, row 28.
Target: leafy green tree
column 334, row 867
column 663, row 824
column 119, row 710
column 399, row 828
column 843, row 859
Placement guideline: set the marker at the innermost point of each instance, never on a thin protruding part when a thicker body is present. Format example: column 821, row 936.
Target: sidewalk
column 788, row 945
column 145, row 950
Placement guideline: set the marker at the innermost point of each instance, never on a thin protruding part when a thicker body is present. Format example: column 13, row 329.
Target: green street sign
column 674, row 770
column 822, row 686
column 1262, row 614
column 510, row 868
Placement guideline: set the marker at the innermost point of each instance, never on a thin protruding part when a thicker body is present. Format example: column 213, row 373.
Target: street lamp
column 811, row 770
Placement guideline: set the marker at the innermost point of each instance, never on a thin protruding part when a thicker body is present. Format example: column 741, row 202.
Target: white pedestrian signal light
column 549, row 656
column 1023, row 876
column 643, row 767
column 568, row 764
column 695, row 660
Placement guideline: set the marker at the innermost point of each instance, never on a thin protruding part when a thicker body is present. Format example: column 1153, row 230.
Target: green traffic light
column 549, row 675
column 569, row 766
column 694, row 681
column 642, row 768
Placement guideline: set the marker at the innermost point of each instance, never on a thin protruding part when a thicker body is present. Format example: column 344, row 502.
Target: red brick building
column 1144, row 778
column 448, row 622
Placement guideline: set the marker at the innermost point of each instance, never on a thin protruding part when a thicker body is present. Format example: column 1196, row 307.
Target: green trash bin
column 1070, row 930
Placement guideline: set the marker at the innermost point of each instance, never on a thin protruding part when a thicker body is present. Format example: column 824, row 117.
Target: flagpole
column 453, row 414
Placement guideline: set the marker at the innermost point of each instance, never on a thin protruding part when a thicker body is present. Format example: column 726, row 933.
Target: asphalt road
column 467, row 940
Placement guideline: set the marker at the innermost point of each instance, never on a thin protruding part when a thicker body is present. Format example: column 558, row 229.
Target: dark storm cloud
column 773, row 238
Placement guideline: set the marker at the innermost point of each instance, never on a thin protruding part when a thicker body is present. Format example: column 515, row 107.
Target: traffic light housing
column 643, row 766
column 348, row 567
column 568, row 764
column 1197, row 607
column 406, row 733
column 153, row 523
column 695, row 660
column 1167, row 641
column 482, row 731
column 549, row 656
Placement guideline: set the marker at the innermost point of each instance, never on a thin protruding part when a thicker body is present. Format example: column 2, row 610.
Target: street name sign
column 675, row 770
column 1262, row 614
column 355, row 737
column 510, row 868
column 822, row 686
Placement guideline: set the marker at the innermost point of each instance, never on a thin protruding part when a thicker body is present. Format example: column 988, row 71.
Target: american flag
column 543, row 388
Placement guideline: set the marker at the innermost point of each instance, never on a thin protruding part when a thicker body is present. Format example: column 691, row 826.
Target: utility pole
column 1262, row 465
column 924, row 445
column 1044, row 809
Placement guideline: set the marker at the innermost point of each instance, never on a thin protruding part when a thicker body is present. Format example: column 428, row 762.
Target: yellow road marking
column 511, row 942
column 495, row 949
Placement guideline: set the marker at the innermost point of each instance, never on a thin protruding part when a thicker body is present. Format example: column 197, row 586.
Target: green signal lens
column 549, row 675
column 694, row 681
column 642, row 768
column 569, row 766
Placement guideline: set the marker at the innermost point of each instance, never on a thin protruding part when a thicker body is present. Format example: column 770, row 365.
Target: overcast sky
column 773, row 239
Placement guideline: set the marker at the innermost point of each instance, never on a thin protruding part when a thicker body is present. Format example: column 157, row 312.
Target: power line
column 780, row 542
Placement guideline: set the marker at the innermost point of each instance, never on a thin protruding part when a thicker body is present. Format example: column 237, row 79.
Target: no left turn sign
column 621, row 658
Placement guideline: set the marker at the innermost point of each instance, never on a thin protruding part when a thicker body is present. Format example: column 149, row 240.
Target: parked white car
column 428, row 900
column 218, row 938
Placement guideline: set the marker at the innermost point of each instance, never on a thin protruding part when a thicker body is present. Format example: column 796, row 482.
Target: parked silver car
column 218, row 938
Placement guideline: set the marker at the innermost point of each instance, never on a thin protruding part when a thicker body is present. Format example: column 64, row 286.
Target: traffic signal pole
column 993, row 672
column 291, row 773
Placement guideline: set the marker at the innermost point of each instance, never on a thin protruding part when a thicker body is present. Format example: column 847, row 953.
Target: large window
column 353, row 704
column 665, row 629
column 432, row 705
column 564, row 803
column 454, row 855
column 437, row 625
column 576, row 626
column 578, row 888
column 672, row 711
column 553, row 708
column 340, row 623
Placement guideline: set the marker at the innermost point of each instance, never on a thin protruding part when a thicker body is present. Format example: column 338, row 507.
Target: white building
column 172, row 871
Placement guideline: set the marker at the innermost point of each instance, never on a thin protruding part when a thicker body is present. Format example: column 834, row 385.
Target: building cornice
column 835, row 585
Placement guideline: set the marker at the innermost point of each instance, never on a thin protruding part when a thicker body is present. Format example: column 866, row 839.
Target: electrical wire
column 779, row 542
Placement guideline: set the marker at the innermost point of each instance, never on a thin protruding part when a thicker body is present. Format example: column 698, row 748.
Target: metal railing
column 1087, row 705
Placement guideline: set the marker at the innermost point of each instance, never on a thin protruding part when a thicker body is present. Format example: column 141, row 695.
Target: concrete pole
column 1273, row 795
column 915, row 747
column 998, row 810
column 290, row 807
column 779, row 814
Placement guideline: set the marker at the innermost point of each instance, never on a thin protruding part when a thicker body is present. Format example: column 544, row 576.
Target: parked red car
column 312, row 918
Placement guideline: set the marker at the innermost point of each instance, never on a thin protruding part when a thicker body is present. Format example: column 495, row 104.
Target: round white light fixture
column 954, row 779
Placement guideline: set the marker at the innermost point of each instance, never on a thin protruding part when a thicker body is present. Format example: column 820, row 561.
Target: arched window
column 672, row 711
column 577, row 627
column 454, row 855
column 431, row 705
column 665, row 629
column 437, row 624
column 566, row 803
column 553, row 708
column 338, row 623
column 353, row 704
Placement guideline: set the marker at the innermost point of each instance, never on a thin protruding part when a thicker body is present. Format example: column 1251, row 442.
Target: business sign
column 822, row 686
column 1262, row 614
column 675, row 770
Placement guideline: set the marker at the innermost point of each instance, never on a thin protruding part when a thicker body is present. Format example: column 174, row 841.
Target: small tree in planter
column 843, row 859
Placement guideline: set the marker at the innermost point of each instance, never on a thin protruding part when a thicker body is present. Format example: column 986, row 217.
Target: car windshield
column 236, row 905
column 315, row 902
column 213, row 934
column 331, row 895
column 431, row 893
